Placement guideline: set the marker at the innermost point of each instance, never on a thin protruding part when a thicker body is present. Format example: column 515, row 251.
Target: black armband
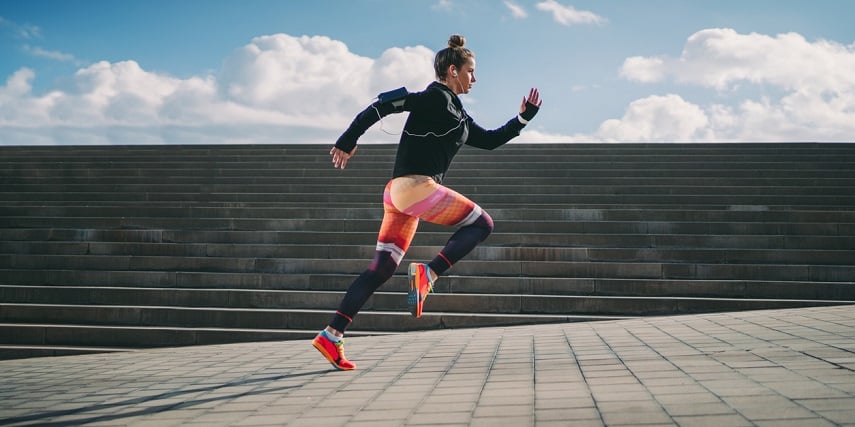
column 395, row 98
column 530, row 111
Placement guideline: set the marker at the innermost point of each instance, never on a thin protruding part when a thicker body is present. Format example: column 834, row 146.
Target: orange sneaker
column 420, row 286
column 333, row 351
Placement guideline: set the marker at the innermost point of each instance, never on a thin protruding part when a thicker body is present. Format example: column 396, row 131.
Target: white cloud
column 408, row 66
column 21, row 31
column 538, row 136
column 720, row 58
column 816, row 79
column 273, row 87
column 16, row 106
column 305, row 76
column 18, row 84
column 517, row 11
column 568, row 15
column 656, row 118
column 50, row 54
column 445, row 5
column 645, row 70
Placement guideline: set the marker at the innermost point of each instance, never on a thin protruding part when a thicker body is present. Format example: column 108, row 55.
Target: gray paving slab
column 761, row 368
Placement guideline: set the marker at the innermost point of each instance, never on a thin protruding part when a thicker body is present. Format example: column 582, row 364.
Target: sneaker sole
column 327, row 356
column 413, row 298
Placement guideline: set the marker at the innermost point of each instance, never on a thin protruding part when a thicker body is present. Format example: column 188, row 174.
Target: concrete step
column 286, row 319
column 607, row 286
column 41, row 182
column 316, row 153
column 466, row 158
column 100, row 338
column 681, row 154
column 321, row 199
column 473, row 304
column 10, row 351
column 585, row 269
column 748, row 213
column 427, row 238
column 313, row 164
column 369, row 225
column 294, row 168
column 491, row 206
column 483, row 253
column 809, row 147
column 377, row 174
column 697, row 187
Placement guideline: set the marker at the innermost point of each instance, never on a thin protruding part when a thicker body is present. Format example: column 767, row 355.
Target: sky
column 276, row 71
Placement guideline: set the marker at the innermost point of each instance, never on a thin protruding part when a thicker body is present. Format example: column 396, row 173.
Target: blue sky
column 264, row 71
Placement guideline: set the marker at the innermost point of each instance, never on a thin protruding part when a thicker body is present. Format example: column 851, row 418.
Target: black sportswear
column 437, row 127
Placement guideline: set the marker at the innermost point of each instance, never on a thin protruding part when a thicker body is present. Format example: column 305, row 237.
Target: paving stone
column 698, row 408
column 712, row 421
column 567, row 414
column 801, row 422
column 497, row 421
column 443, row 419
column 628, row 416
column 839, row 417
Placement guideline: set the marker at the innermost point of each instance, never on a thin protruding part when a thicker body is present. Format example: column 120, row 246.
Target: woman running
column 436, row 128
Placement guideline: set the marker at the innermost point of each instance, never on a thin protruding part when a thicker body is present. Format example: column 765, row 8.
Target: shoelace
column 430, row 282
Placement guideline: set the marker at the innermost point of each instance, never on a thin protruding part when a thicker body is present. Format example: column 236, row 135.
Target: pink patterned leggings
column 407, row 200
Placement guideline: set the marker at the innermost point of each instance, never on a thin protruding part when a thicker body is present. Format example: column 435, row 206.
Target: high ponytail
column 456, row 40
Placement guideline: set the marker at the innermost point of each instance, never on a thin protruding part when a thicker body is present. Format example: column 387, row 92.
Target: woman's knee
column 383, row 267
column 485, row 222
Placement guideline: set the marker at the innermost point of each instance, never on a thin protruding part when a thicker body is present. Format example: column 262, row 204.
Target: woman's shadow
column 35, row 418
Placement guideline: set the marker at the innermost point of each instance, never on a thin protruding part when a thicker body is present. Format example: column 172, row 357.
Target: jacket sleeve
column 491, row 139
column 364, row 120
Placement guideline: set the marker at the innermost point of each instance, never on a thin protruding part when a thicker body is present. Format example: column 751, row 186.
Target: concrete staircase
column 116, row 247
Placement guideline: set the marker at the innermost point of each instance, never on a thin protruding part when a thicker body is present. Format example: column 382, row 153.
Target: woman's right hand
column 340, row 157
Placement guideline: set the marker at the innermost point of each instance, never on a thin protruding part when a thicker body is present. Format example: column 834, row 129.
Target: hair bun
column 456, row 41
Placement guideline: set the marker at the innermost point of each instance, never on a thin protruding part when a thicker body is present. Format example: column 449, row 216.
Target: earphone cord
column 435, row 135
column 381, row 122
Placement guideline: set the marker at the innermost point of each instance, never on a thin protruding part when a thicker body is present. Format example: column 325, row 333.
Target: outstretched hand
column 340, row 157
column 533, row 98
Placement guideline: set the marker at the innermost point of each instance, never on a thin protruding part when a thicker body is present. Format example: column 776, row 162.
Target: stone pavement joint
column 761, row 368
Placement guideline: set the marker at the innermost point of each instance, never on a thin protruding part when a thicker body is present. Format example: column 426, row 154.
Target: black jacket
column 437, row 127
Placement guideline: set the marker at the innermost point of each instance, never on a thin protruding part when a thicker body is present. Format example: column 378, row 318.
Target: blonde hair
column 455, row 54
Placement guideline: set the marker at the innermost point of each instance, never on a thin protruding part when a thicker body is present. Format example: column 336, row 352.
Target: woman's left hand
column 533, row 98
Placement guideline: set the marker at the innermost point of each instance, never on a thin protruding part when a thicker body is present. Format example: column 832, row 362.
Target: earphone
column 454, row 76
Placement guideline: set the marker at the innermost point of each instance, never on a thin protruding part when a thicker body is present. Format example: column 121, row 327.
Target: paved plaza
column 760, row 368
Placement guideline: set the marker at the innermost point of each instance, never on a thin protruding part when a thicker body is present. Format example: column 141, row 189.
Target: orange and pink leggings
column 407, row 200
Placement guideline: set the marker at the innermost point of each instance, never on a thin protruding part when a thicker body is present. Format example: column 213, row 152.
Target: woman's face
column 465, row 78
